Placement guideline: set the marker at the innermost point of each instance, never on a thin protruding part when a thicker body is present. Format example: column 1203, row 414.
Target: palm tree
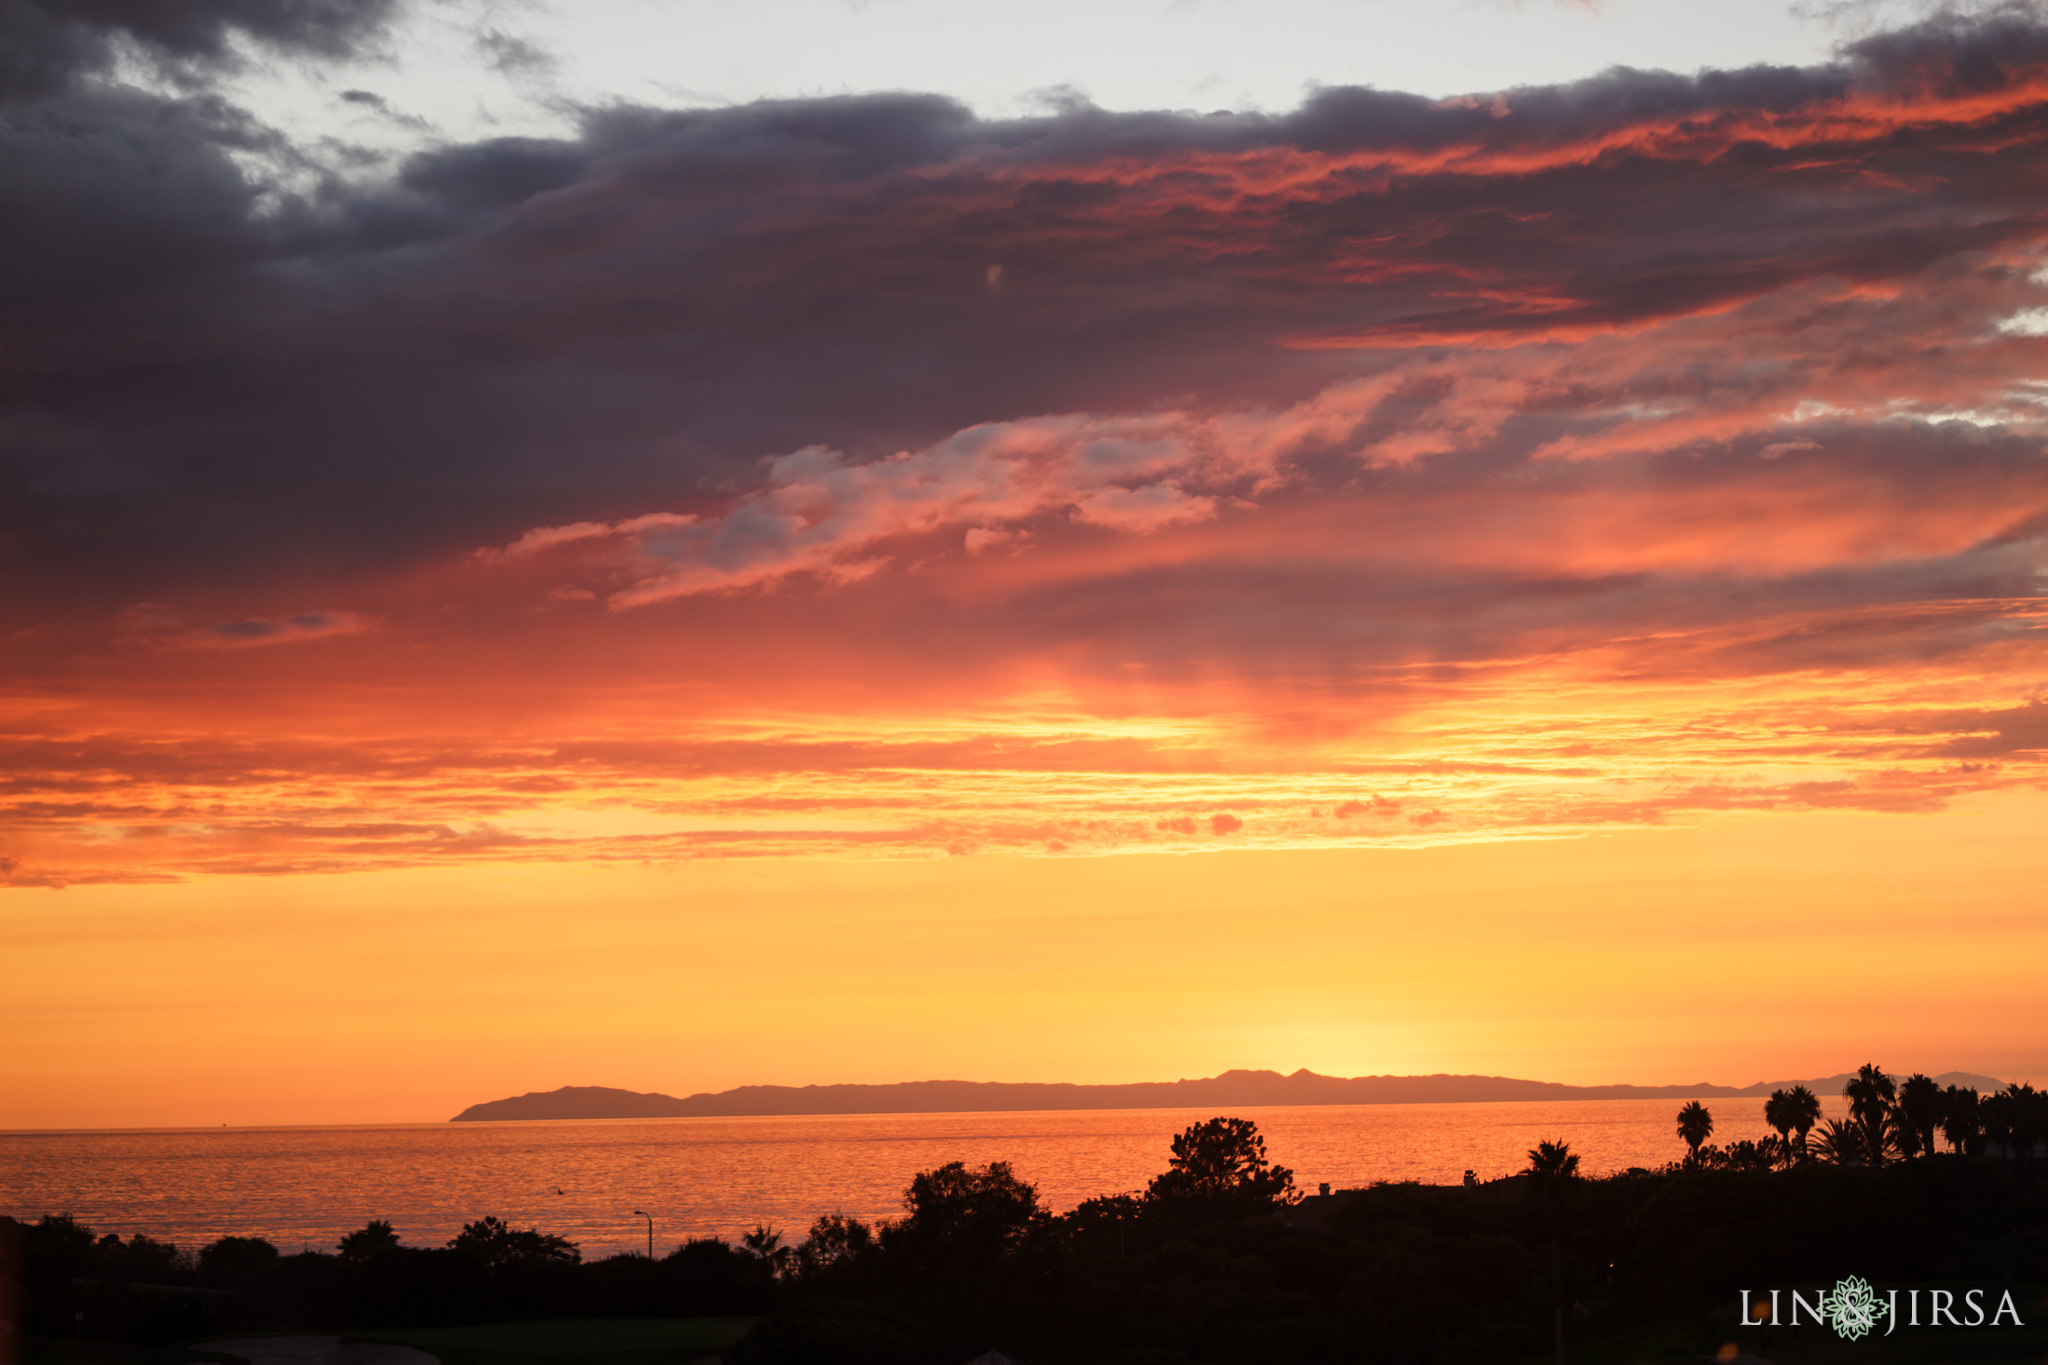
column 1995, row 1119
column 1920, row 1104
column 1554, row 1169
column 367, row 1243
column 1842, row 1143
column 1695, row 1125
column 765, row 1245
column 1871, row 1095
column 1779, row 1114
column 1803, row 1108
column 1959, row 1117
column 2030, row 1109
column 2012, row 1118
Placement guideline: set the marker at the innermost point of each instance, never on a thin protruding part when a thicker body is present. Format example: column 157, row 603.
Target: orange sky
column 1548, row 584
column 1752, row 948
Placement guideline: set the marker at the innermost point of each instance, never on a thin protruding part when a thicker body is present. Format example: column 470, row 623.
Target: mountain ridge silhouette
column 1235, row 1087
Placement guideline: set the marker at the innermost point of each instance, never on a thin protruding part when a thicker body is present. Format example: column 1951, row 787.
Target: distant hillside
column 1240, row 1088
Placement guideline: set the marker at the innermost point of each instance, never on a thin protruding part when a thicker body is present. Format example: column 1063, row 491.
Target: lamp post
column 650, row 1231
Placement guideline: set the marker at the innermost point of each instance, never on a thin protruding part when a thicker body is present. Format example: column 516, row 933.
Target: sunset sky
column 694, row 544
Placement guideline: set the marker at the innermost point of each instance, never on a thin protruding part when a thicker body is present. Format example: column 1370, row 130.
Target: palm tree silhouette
column 2013, row 1120
column 1920, row 1106
column 1695, row 1125
column 765, row 1245
column 1781, row 1113
column 1843, row 1143
column 1959, row 1116
column 1554, row 1169
column 1871, row 1095
column 1806, row 1112
column 2030, row 1122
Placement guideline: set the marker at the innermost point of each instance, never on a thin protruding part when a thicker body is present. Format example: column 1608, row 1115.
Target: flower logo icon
column 1852, row 1307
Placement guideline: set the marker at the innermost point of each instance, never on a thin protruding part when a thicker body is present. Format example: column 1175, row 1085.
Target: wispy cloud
column 156, row 624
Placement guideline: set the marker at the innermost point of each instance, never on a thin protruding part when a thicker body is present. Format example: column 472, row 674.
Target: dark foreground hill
column 1652, row 1265
column 1232, row 1088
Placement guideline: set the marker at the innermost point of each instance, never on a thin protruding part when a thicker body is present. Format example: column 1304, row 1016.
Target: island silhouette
column 1238, row 1087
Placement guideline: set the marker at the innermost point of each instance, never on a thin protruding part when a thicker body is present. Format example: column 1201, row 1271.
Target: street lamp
column 650, row 1231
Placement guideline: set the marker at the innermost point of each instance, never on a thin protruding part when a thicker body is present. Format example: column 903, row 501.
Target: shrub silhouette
column 234, row 1261
column 834, row 1240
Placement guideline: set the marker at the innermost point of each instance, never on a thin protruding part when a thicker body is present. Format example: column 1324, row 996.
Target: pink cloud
column 822, row 515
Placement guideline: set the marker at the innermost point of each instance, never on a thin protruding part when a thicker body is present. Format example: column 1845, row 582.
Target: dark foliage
column 234, row 1262
column 149, row 1291
column 497, row 1244
column 1397, row 1274
column 1219, row 1170
column 1403, row 1273
column 376, row 1238
column 963, row 1218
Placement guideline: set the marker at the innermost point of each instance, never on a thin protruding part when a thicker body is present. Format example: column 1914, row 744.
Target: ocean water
column 305, row 1187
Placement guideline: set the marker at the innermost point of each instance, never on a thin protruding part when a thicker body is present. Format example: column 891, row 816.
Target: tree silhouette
column 1553, row 1170
column 964, row 1215
column 235, row 1260
column 1095, row 1218
column 1844, row 1144
column 1803, row 1107
column 1780, row 1113
column 764, row 1244
column 2030, row 1122
column 1920, row 1106
column 1959, row 1124
column 2012, row 1118
column 498, row 1244
column 1221, row 1161
column 834, row 1238
column 1695, row 1125
column 371, row 1240
column 1871, row 1095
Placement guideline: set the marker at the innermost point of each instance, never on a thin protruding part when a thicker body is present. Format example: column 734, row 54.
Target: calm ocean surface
column 307, row 1186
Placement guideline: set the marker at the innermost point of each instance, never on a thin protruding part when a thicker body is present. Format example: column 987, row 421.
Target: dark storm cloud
column 522, row 332
column 45, row 45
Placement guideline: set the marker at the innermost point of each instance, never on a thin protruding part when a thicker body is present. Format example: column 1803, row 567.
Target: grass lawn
column 560, row 1341
column 64, row 1351
column 60, row 1351
column 571, row 1341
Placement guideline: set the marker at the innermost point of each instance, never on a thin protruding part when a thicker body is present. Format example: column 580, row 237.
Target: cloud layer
column 855, row 476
